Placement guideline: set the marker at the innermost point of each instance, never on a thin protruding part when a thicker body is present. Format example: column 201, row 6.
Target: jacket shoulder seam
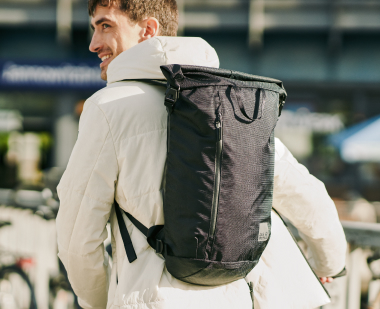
column 94, row 97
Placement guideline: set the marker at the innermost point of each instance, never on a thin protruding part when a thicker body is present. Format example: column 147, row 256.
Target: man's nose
column 95, row 44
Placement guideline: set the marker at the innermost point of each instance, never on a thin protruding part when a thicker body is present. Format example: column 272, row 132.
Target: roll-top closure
column 188, row 77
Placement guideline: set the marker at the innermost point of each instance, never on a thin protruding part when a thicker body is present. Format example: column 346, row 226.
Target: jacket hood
column 144, row 60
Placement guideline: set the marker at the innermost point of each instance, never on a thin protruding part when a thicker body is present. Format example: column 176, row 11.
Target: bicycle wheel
column 16, row 291
column 61, row 294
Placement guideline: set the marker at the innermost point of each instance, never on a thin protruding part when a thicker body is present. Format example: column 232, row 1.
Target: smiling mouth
column 104, row 60
column 106, row 57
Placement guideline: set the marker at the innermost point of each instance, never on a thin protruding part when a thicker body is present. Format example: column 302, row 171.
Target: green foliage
column 46, row 141
column 4, row 141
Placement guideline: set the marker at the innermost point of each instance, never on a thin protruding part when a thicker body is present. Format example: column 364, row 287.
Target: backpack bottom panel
column 207, row 273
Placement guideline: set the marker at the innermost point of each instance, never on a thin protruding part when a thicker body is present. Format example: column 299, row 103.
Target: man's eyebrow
column 101, row 20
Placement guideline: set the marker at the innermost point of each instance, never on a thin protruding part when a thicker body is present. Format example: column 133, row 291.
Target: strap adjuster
column 171, row 97
column 159, row 246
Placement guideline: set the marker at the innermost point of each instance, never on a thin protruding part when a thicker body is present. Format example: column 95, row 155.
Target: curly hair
column 165, row 11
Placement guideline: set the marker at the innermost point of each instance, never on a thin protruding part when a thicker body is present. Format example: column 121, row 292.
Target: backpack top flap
column 197, row 76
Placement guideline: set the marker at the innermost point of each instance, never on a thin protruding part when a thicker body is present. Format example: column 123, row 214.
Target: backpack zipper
column 218, row 159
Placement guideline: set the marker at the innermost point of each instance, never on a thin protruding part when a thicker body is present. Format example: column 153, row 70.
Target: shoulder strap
column 137, row 224
column 154, row 234
column 129, row 250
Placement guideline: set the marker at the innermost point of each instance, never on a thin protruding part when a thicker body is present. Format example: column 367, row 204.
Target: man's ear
column 151, row 28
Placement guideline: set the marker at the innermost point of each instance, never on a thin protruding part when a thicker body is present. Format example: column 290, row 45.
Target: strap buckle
column 171, row 97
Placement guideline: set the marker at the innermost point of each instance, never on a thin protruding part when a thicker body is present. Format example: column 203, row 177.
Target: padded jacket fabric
column 120, row 153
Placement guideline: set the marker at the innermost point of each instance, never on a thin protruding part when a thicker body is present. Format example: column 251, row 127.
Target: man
column 120, row 153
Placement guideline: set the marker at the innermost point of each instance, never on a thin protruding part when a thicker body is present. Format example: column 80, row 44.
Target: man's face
column 113, row 34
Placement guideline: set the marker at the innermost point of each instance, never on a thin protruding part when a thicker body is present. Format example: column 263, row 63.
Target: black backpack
column 218, row 180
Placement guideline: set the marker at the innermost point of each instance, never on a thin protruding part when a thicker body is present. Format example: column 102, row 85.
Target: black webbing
column 258, row 102
column 154, row 234
column 250, row 285
column 129, row 250
column 138, row 224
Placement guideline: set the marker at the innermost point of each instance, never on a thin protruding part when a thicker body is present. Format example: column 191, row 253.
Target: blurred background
column 327, row 53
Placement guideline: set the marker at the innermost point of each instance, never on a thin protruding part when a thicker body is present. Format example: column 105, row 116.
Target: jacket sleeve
column 303, row 199
column 86, row 193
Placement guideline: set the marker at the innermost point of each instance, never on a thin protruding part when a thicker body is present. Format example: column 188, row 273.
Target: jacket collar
column 143, row 61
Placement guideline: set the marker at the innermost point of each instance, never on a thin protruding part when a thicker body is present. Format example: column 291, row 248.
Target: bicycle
column 43, row 203
column 16, row 290
column 373, row 262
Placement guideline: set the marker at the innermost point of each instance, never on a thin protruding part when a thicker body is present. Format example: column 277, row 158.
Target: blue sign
column 65, row 75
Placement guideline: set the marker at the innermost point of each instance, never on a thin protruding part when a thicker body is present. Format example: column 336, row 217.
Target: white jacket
column 120, row 153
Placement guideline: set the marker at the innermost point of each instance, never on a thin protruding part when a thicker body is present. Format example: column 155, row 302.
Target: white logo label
column 263, row 231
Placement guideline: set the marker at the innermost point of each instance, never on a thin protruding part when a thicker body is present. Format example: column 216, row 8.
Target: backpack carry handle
column 256, row 108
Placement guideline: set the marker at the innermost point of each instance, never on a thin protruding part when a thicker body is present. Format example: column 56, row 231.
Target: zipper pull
column 218, row 126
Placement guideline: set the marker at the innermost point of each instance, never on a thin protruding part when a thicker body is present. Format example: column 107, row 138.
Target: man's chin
column 103, row 74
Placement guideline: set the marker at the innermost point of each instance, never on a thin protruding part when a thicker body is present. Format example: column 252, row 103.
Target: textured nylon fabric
column 247, row 176
column 247, row 110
